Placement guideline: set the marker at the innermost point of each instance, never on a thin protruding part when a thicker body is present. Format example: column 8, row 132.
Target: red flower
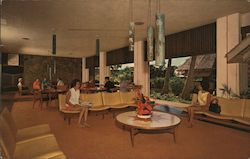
column 144, row 105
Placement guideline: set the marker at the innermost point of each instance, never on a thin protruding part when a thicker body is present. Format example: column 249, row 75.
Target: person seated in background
column 73, row 102
column 60, row 82
column 45, row 84
column 37, row 85
column 20, row 86
column 108, row 85
column 200, row 102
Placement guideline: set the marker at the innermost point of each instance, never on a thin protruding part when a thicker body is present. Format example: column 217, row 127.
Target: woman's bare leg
column 81, row 116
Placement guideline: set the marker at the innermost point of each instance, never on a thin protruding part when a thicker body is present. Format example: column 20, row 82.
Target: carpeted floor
column 105, row 140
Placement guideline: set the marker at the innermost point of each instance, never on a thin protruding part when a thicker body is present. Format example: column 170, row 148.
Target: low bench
column 234, row 113
column 101, row 102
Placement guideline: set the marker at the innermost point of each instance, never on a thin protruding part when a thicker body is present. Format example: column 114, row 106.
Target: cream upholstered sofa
column 115, row 100
column 101, row 101
column 32, row 142
column 24, row 133
column 110, row 101
column 233, row 112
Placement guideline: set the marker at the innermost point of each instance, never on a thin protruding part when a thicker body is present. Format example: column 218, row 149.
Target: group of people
column 37, row 85
column 201, row 99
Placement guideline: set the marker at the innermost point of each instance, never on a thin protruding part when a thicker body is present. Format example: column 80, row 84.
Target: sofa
column 234, row 113
column 28, row 142
column 101, row 102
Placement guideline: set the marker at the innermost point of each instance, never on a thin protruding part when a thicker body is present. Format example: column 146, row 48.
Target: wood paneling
column 196, row 41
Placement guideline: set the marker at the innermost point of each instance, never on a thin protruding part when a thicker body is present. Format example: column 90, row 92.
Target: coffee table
column 160, row 121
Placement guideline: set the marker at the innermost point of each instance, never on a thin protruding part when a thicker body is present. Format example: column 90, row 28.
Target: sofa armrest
column 52, row 155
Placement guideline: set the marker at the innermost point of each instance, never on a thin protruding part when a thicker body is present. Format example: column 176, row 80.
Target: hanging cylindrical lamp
column 97, row 46
column 131, row 34
column 131, row 29
column 160, row 39
column 54, row 44
column 150, row 37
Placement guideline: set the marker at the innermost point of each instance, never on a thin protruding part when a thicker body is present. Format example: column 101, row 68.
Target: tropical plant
column 176, row 85
column 228, row 91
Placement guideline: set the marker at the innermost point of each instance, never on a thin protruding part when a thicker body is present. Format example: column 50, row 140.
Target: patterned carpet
column 105, row 140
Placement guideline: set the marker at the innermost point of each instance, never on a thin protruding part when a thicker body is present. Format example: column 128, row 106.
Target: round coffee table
column 159, row 121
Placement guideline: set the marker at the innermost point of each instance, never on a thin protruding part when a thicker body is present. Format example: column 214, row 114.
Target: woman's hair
column 73, row 83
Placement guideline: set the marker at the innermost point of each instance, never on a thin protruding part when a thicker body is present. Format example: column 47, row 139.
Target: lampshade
column 160, row 40
column 131, row 33
column 150, row 43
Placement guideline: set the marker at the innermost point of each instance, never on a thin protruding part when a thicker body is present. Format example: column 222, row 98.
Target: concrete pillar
column 1, row 73
column 85, row 71
column 141, row 68
column 108, row 71
column 228, row 36
column 102, row 67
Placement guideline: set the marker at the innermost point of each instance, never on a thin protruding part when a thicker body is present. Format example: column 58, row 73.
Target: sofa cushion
column 128, row 97
column 36, row 147
column 231, row 107
column 111, row 99
column 94, row 98
column 33, row 131
column 51, row 155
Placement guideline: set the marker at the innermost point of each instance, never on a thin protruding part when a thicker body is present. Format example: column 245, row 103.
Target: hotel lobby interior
column 72, row 39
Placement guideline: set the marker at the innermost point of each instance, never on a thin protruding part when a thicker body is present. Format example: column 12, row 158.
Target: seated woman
column 60, row 82
column 73, row 102
column 200, row 102
column 37, row 85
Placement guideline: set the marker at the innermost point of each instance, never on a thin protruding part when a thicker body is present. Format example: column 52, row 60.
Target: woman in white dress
column 73, row 102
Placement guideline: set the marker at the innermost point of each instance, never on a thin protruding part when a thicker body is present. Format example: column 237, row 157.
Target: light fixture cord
column 149, row 12
column 131, row 10
column 158, row 8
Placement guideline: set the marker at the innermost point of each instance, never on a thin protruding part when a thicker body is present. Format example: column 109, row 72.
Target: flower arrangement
column 144, row 106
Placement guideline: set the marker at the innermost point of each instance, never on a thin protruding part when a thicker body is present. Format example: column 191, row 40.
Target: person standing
column 73, row 102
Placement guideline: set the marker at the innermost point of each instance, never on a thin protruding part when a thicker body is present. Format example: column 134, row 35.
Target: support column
column 108, row 72
column 1, row 73
column 228, row 36
column 141, row 68
column 102, row 67
column 85, row 71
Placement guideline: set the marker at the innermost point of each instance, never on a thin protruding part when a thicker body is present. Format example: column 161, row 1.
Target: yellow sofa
column 27, row 143
column 102, row 101
column 115, row 100
column 233, row 112
column 24, row 133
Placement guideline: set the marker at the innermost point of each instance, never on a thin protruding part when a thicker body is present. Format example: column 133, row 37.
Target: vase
column 146, row 116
